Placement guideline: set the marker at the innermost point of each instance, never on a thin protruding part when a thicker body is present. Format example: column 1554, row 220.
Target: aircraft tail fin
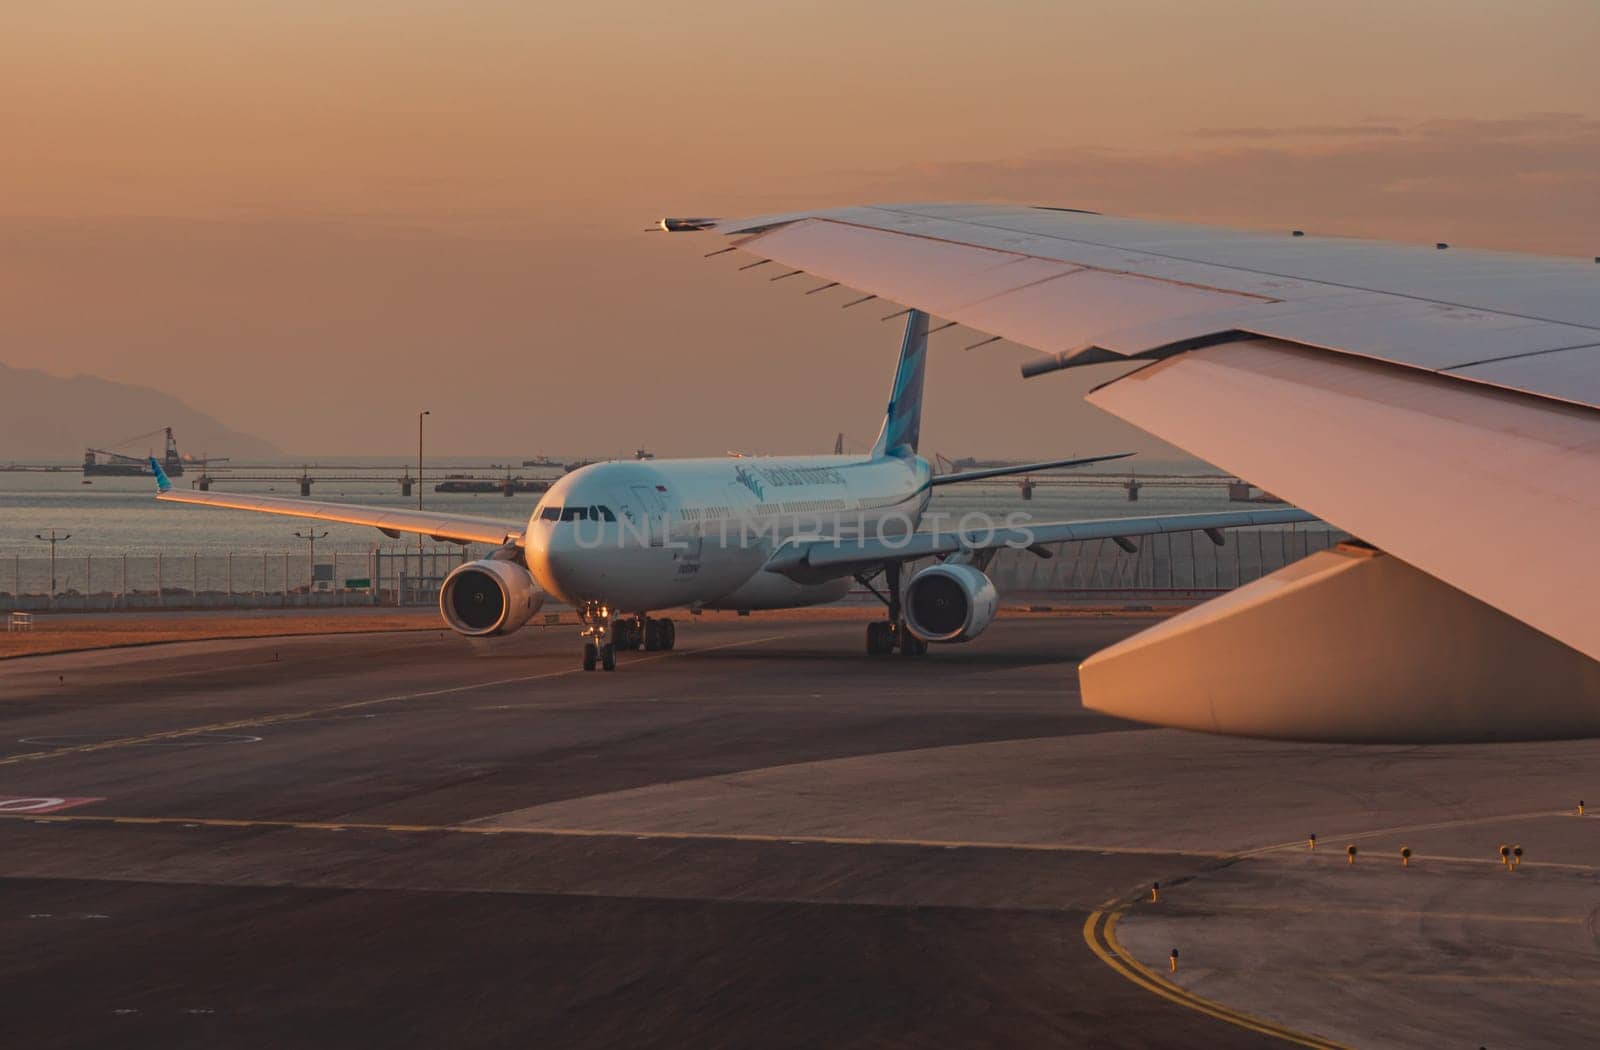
column 163, row 483
column 902, row 421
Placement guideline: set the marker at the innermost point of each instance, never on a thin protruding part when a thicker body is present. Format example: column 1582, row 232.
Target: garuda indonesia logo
column 748, row 479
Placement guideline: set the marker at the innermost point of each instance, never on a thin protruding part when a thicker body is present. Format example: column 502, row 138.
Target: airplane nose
column 542, row 562
column 555, row 561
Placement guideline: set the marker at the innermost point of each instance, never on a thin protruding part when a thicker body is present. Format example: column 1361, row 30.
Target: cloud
column 1304, row 131
column 1523, row 183
column 1528, row 126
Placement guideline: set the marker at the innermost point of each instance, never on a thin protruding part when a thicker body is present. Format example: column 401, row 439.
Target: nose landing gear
column 599, row 637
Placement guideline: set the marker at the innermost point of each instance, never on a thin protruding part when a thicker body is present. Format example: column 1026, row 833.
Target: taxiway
column 764, row 838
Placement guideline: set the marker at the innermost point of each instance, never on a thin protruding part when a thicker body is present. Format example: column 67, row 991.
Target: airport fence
column 236, row 579
column 1175, row 564
column 1180, row 567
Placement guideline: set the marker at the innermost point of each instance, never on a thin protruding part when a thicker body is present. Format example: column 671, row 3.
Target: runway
column 764, row 838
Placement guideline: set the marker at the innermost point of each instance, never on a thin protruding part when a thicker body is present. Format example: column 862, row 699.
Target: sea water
column 121, row 515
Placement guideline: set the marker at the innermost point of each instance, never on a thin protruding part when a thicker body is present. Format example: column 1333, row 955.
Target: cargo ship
column 468, row 483
column 101, row 463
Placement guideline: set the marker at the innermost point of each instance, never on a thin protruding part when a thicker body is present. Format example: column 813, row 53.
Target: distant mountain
column 45, row 418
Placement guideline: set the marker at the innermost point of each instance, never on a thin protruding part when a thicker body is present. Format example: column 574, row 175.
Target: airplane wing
column 452, row 528
column 1020, row 468
column 818, row 560
column 1441, row 403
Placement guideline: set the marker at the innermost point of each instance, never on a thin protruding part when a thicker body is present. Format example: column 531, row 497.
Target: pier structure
column 459, row 478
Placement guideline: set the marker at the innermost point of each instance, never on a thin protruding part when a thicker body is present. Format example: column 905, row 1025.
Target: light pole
column 52, row 539
column 419, row 483
column 311, row 536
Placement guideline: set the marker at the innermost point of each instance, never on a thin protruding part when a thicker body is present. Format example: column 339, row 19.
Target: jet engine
column 949, row 603
column 483, row 598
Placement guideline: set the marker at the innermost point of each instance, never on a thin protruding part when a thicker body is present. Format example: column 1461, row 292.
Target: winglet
column 163, row 483
column 685, row 225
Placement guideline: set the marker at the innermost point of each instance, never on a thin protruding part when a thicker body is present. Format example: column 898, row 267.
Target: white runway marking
column 42, row 804
column 294, row 716
column 198, row 740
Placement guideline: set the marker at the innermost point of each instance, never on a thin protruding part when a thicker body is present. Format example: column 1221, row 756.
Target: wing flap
column 1575, row 370
column 1495, row 493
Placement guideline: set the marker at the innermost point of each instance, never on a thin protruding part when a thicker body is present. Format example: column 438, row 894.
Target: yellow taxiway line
column 1299, row 845
column 1436, row 978
column 1400, row 913
column 1099, row 930
column 1100, row 933
column 592, row 833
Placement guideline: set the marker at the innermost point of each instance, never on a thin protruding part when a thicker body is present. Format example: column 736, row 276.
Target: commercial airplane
column 622, row 540
column 1440, row 403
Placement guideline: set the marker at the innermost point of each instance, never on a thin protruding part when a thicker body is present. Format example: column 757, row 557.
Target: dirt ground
column 66, row 633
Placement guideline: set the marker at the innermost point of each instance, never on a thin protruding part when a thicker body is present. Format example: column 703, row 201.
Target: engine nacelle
column 950, row 603
column 488, row 597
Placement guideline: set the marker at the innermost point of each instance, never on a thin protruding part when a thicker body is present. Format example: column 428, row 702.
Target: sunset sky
column 311, row 220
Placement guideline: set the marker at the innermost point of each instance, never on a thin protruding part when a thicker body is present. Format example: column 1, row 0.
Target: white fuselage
column 639, row 536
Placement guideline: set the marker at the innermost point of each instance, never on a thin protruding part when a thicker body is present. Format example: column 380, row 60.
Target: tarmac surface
column 765, row 838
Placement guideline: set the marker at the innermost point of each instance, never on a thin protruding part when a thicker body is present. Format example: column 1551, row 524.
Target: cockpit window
column 590, row 513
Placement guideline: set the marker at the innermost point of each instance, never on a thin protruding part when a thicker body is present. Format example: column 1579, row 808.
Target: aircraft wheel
column 652, row 635
column 590, row 652
column 668, row 633
column 877, row 638
column 608, row 657
column 911, row 645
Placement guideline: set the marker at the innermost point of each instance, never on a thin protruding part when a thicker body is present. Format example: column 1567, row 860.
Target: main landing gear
column 604, row 633
column 644, row 632
column 885, row 636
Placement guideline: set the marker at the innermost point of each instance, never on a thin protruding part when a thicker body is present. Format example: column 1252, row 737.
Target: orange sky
column 311, row 219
